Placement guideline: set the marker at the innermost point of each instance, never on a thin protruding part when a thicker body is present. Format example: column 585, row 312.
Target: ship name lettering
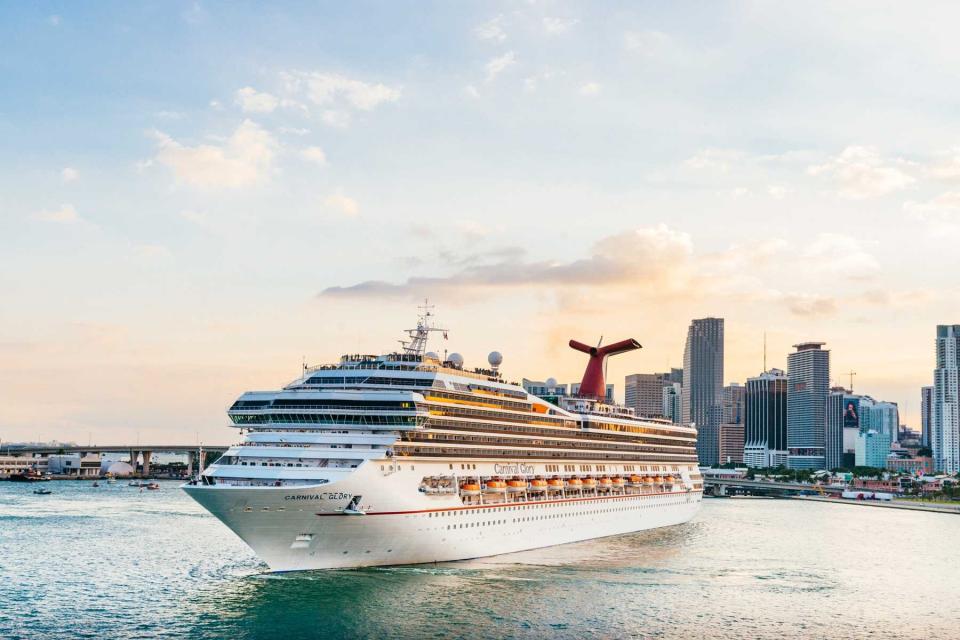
column 513, row 468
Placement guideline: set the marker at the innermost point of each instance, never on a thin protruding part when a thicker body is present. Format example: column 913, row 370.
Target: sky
column 197, row 197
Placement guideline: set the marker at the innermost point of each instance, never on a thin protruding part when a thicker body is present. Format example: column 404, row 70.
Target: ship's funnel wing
column 593, row 385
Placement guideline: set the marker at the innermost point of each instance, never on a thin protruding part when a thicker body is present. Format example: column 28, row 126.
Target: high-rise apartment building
column 643, row 392
column 808, row 383
column 926, row 410
column 672, row 393
column 945, row 413
column 731, row 443
column 765, row 420
column 703, row 385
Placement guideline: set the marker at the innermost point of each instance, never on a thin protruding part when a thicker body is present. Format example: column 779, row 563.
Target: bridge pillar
column 146, row 462
column 133, row 460
column 191, row 459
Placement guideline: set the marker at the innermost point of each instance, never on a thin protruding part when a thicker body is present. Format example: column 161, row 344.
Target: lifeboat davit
column 605, row 484
column 647, row 480
column 496, row 486
column 658, row 480
column 555, row 484
column 618, row 482
column 574, row 483
column 470, row 489
column 538, row 485
column 516, row 486
column 589, row 483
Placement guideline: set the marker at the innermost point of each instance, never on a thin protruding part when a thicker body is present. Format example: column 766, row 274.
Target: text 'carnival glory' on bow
column 593, row 385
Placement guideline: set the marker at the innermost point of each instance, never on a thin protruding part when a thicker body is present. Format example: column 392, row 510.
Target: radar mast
column 417, row 344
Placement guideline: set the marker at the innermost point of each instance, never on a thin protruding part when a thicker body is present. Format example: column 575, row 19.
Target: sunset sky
column 196, row 196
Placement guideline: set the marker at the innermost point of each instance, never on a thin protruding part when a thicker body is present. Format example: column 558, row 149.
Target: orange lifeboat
column 618, row 481
column 555, row 484
column 647, row 480
column 496, row 486
column 605, row 483
column 516, row 485
column 589, row 483
column 538, row 485
column 574, row 483
column 470, row 489
column 636, row 481
column 658, row 480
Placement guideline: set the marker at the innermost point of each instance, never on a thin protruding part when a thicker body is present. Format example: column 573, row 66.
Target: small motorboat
column 153, row 486
column 134, row 483
column 111, row 481
column 96, row 484
column 42, row 492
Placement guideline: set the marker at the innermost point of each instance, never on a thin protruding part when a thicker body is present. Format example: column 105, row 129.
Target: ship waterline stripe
column 517, row 504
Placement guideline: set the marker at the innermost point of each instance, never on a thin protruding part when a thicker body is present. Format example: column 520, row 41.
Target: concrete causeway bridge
column 722, row 486
column 137, row 452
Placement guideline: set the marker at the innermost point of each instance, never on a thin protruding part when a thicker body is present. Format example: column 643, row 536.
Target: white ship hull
column 306, row 527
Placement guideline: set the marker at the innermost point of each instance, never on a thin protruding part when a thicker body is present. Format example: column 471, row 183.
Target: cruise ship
column 409, row 457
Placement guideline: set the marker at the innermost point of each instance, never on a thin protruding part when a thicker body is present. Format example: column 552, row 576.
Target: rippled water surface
column 115, row 561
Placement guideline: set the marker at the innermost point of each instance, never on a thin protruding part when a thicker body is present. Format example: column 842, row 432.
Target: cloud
column 841, row 255
column 491, row 30
column 69, row 174
column 253, row 101
column 942, row 213
column 778, row 192
column 556, row 26
column 315, row 155
column 54, row 20
column 471, row 91
column 860, row 173
column 336, row 119
column 344, row 204
column 811, row 305
column 326, row 89
column 66, row 214
column 647, row 257
column 714, row 159
column 244, row 159
column 498, row 65
column 590, row 89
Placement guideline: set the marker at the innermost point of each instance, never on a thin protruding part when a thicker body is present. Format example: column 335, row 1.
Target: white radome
column 431, row 354
column 456, row 359
column 551, row 383
column 495, row 358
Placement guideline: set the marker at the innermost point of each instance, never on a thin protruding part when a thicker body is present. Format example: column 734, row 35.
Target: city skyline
column 190, row 214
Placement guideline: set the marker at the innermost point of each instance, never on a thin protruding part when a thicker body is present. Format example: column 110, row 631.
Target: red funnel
column 592, row 385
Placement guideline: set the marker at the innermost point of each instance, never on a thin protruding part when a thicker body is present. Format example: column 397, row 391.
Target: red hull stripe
column 517, row 504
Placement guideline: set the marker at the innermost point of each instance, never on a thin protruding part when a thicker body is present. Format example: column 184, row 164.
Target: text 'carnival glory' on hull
column 408, row 458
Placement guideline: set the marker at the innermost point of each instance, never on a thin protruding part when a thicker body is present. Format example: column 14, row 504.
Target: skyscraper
column 926, row 410
column 732, row 402
column 765, row 420
column 672, row 392
column 945, row 414
column 703, row 385
column 808, row 382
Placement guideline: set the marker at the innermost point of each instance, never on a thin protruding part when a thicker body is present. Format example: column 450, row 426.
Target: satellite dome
column 551, row 382
column 456, row 360
column 431, row 354
column 495, row 358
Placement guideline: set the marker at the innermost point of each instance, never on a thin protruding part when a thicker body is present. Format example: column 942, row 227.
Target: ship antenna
column 417, row 344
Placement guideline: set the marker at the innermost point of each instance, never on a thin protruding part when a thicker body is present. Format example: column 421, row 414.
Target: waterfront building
column 915, row 465
column 10, row 465
column 731, row 442
column 672, row 393
column 703, row 385
column 843, row 425
column 643, row 392
column 808, row 383
column 945, row 416
column 765, row 420
column 73, row 464
column 873, row 448
column 926, row 410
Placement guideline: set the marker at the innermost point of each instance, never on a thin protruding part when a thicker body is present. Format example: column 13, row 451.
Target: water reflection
column 108, row 563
